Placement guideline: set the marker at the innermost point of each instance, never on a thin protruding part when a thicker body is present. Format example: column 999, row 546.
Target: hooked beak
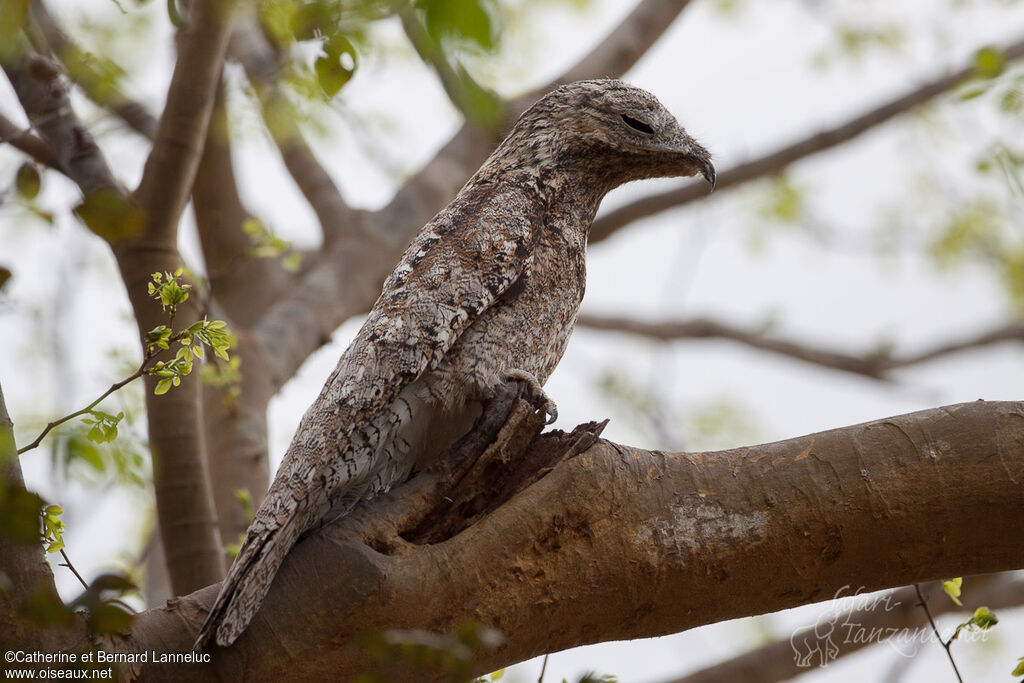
column 707, row 169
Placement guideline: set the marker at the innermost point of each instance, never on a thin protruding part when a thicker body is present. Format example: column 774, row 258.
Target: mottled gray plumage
column 488, row 288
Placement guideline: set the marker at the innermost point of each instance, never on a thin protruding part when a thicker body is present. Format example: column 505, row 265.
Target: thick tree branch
column 775, row 161
column 618, row 543
column 94, row 84
column 241, row 286
column 185, row 508
column 859, row 628
column 875, row 366
column 171, row 165
column 44, row 97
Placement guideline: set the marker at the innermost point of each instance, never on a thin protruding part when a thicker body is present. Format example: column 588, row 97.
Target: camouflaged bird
column 488, row 290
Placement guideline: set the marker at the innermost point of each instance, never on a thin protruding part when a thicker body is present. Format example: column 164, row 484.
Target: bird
column 488, row 291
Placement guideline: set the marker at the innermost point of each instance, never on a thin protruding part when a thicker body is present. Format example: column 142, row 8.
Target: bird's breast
column 528, row 327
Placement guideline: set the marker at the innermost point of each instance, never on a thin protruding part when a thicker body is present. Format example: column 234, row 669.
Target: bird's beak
column 707, row 169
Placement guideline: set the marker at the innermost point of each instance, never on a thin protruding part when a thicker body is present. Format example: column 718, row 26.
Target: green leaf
column 111, row 216
column 981, row 620
column 1019, row 669
column 784, row 202
column 28, row 181
column 95, row 434
column 245, row 498
column 1012, row 274
column 973, row 92
column 335, row 68
column 163, row 386
column 952, row 588
column 465, row 20
column 984, row 619
column 292, row 262
column 12, row 19
column 989, row 62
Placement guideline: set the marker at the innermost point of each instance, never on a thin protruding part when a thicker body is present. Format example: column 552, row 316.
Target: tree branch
column 249, row 45
column 28, row 143
column 171, row 165
column 876, row 366
column 775, row 161
column 616, row 542
column 44, row 97
column 234, row 416
column 93, row 83
column 621, row 49
column 481, row 107
column 26, row 575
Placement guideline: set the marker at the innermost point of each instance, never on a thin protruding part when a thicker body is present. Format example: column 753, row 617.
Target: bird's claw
column 535, row 393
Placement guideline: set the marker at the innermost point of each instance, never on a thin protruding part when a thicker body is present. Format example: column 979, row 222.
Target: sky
column 742, row 84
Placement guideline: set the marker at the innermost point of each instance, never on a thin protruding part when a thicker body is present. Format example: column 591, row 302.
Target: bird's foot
column 535, row 393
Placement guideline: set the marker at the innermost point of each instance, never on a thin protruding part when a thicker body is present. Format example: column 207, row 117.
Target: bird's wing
column 457, row 267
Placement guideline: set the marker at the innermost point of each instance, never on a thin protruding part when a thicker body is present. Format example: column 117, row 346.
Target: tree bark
column 25, row 575
column 618, row 543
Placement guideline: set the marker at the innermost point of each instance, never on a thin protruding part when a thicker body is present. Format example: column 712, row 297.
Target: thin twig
column 67, row 563
column 543, row 668
column 945, row 645
column 113, row 387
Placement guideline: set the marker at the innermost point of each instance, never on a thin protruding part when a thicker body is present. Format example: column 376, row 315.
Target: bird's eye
column 638, row 125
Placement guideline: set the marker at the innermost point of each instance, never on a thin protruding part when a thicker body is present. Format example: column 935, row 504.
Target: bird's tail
column 249, row 579
column 376, row 458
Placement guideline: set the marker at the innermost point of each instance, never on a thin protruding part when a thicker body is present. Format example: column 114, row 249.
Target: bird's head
column 614, row 129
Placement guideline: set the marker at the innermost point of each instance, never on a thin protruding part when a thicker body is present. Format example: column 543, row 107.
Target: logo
column 856, row 620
